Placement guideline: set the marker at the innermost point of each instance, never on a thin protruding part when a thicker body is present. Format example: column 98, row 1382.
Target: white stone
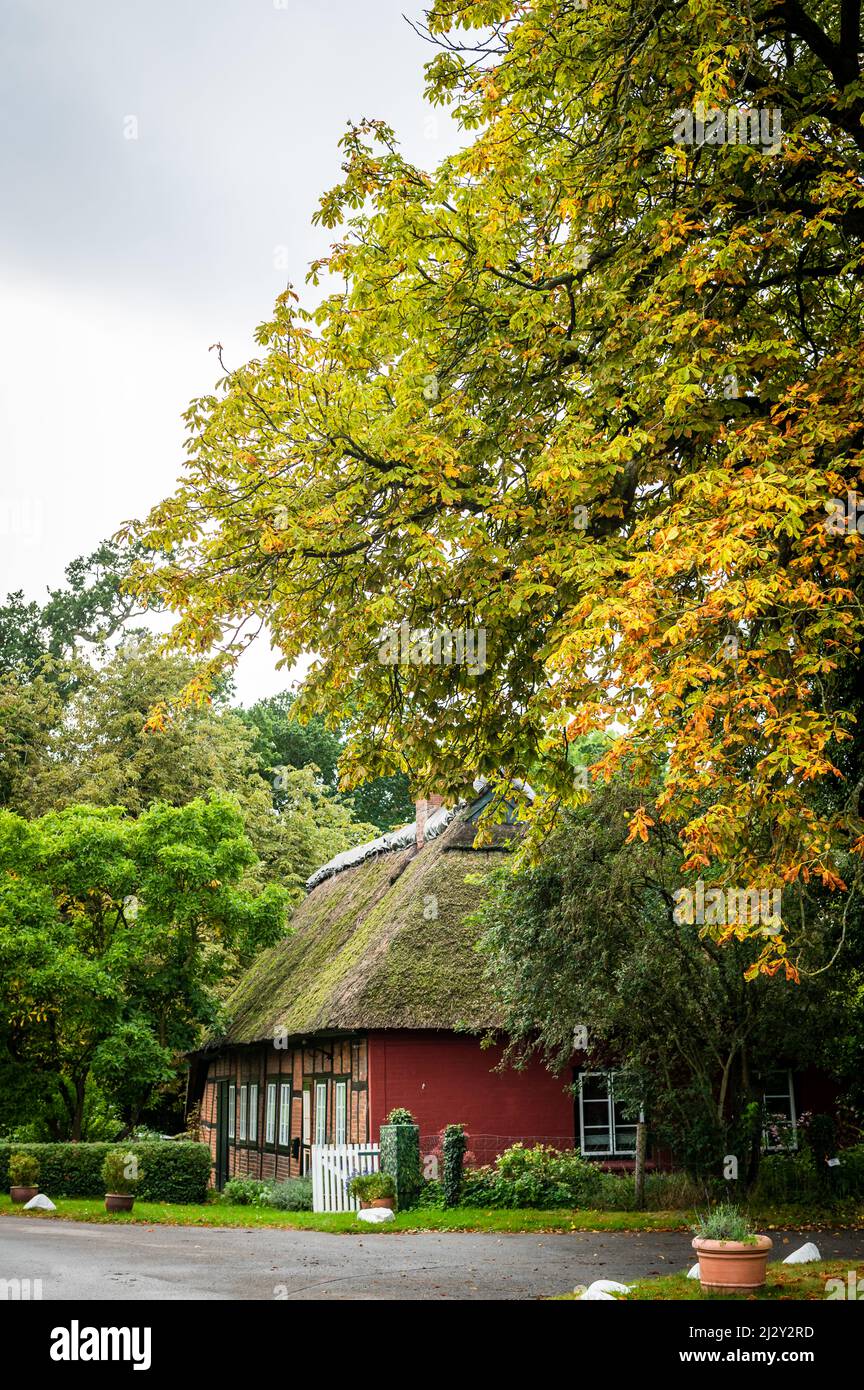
column 40, row 1203
column 803, row 1255
column 376, row 1215
column 694, row 1272
column 602, row 1290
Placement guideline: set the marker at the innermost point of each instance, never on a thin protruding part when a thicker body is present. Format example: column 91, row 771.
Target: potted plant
column 732, row 1257
column 23, row 1177
column 374, row 1190
column 121, row 1175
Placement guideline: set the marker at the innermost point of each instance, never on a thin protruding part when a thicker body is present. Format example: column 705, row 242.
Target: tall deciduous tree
column 97, row 749
column 592, row 384
column 91, row 607
column 584, row 952
column 116, row 936
column 283, row 741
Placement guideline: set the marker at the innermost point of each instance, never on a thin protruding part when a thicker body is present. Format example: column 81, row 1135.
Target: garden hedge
column 400, row 1157
column 173, row 1170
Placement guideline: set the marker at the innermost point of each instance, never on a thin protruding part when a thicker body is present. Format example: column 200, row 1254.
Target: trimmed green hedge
column 400, row 1157
column 173, row 1170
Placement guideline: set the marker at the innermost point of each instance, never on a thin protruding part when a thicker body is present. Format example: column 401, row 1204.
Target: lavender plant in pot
column 121, row 1175
column 732, row 1257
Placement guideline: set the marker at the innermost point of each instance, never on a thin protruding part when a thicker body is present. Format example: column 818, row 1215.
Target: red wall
column 446, row 1078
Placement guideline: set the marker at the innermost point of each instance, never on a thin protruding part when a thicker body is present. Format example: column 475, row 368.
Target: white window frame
column 270, row 1114
column 788, row 1094
column 253, row 1113
column 285, row 1114
column 613, row 1151
column 320, row 1112
column 340, row 1112
column 232, row 1105
column 244, row 1104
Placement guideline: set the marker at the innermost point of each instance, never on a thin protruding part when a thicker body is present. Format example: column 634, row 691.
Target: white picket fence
column 333, row 1167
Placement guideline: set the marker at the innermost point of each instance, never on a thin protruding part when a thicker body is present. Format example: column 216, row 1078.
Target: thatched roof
column 362, row 954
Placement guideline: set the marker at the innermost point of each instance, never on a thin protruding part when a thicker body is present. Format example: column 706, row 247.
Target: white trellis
column 333, row 1167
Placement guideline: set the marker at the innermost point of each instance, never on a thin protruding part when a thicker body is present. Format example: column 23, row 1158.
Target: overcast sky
column 160, row 165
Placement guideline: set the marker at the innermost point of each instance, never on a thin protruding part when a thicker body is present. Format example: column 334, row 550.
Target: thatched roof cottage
column 377, row 999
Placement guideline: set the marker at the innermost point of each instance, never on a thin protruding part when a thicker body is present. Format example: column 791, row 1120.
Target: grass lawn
column 784, row 1282
column 215, row 1213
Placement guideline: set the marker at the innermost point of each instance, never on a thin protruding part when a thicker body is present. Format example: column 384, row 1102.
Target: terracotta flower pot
column 732, row 1266
column 119, row 1201
column 387, row 1202
column 22, row 1194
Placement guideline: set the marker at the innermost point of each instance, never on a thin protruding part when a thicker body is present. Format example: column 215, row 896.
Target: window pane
column 232, row 1101
column 270, row 1123
column 253, row 1113
column 321, row 1112
column 244, row 1093
column 778, row 1100
column 625, row 1139
column 307, row 1116
column 597, row 1141
column 341, row 1112
column 284, row 1115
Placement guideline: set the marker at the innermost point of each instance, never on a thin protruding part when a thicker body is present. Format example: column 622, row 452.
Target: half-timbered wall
column 318, row 1068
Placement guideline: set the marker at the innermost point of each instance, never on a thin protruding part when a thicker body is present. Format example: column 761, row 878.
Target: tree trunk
column 639, row 1174
column 78, row 1117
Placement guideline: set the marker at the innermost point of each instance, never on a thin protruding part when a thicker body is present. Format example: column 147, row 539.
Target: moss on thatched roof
column 368, row 951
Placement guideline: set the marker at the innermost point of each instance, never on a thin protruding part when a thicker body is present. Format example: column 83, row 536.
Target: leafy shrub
column 121, row 1172
column 400, row 1116
column 454, row 1143
column 725, row 1222
column 246, row 1192
column 295, row 1194
column 545, row 1177
column 172, row 1172
column 431, row 1193
column 23, row 1170
column 540, row 1176
column 805, row 1176
column 849, row 1177
column 369, row 1187
column 143, row 1134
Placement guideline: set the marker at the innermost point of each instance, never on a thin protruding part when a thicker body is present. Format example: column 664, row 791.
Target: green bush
column 23, row 1170
column 369, row 1187
column 400, row 1116
column 400, row 1156
column 805, row 1176
column 545, row 1177
column 295, row 1194
column 121, row 1171
column 540, row 1177
column 246, row 1192
column 172, row 1172
column 454, row 1142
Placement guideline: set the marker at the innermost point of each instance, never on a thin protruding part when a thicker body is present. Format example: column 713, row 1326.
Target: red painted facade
column 448, row 1078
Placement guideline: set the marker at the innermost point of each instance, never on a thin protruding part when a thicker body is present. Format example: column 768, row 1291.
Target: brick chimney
column 425, row 807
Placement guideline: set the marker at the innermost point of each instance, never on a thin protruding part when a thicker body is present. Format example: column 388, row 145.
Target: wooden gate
column 333, row 1167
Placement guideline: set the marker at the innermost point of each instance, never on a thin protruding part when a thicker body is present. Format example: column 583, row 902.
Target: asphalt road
column 77, row 1261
